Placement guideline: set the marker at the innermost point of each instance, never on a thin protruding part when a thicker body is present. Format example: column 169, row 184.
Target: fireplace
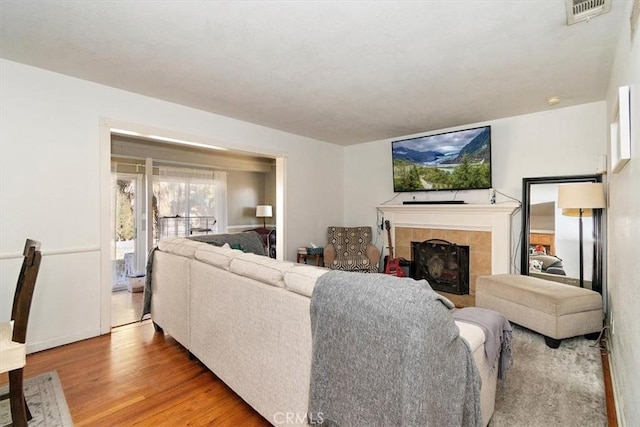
column 443, row 264
column 486, row 228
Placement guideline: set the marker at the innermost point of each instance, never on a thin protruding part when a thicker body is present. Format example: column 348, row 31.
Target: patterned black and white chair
column 350, row 249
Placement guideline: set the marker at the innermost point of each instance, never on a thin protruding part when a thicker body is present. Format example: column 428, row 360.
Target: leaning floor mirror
column 562, row 240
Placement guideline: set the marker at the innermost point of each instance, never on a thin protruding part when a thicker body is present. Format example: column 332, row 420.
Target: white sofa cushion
column 180, row 246
column 301, row 279
column 261, row 268
column 217, row 256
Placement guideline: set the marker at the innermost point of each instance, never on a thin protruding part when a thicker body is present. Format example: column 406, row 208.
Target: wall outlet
column 613, row 329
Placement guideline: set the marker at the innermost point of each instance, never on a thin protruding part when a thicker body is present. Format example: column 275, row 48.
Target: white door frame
column 105, row 127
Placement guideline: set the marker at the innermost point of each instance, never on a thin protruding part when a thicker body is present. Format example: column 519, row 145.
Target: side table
column 303, row 258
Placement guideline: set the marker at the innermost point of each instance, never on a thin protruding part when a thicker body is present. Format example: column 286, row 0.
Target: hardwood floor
column 135, row 376
column 126, row 307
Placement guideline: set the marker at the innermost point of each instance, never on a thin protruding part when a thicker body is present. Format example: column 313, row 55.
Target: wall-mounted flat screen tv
column 459, row 160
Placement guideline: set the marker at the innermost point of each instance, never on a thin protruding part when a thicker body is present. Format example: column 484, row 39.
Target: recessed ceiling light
column 553, row 100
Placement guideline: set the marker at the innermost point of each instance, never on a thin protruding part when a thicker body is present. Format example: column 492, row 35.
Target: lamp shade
column 264, row 211
column 582, row 196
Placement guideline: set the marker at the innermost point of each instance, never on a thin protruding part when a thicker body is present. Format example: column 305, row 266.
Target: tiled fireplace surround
column 486, row 229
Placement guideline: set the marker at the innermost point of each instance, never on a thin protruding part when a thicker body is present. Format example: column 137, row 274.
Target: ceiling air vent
column 583, row 10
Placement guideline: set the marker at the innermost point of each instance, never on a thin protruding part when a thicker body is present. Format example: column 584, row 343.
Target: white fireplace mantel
column 495, row 218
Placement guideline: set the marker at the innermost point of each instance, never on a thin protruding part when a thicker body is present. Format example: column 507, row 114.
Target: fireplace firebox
column 443, row 264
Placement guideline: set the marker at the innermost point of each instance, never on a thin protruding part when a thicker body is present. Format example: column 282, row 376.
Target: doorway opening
column 142, row 169
column 185, row 201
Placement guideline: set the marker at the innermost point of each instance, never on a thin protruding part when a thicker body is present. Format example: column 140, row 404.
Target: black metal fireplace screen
column 443, row 264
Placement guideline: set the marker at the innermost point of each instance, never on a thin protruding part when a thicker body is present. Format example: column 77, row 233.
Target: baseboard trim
column 609, row 395
column 58, row 341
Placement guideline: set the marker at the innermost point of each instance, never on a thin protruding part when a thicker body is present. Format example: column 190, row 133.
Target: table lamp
column 264, row 211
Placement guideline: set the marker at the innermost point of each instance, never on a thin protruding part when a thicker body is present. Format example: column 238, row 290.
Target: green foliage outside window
column 411, row 177
column 125, row 216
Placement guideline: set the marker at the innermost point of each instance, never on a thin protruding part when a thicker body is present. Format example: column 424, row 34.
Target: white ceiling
column 338, row 71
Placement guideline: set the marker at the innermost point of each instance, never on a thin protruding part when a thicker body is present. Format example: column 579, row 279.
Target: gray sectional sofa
column 246, row 317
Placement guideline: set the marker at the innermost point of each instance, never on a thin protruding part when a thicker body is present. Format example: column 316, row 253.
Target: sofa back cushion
column 261, row 268
column 180, row 246
column 301, row 279
column 218, row 256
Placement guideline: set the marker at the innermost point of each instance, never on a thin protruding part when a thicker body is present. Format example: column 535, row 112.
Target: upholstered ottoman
column 553, row 309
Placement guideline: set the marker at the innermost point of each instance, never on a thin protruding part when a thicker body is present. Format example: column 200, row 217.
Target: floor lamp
column 580, row 200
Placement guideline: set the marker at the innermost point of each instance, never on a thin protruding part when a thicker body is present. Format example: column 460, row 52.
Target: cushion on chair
column 13, row 355
column 351, row 263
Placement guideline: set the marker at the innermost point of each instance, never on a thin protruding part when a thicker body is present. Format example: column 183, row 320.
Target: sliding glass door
column 183, row 202
column 127, row 191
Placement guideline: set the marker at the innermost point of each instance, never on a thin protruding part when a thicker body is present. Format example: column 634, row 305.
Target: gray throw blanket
column 248, row 241
column 146, row 304
column 387, row 352
column 497, row 333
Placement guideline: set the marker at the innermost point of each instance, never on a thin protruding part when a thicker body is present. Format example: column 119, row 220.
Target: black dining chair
column 13, row 334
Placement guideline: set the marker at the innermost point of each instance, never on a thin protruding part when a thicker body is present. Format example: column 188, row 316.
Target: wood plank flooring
column 136, row 377
column 126, row 307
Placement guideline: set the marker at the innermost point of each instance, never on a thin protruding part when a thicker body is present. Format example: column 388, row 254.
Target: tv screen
column 459, row 160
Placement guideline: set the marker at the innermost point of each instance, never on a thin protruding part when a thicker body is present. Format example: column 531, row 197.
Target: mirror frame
column 596, row 275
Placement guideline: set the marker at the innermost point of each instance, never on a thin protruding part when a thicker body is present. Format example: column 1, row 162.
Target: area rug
column 45, row 399
column 547, row 387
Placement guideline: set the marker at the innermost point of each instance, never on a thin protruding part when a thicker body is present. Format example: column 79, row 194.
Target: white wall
column 245, row 190
column 50, row 186
column 563, row 141
column 623, row 232
column 568, row 246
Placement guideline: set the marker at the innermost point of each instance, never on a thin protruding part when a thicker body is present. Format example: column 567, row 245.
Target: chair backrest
column 349, row 240
column 24, row 290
